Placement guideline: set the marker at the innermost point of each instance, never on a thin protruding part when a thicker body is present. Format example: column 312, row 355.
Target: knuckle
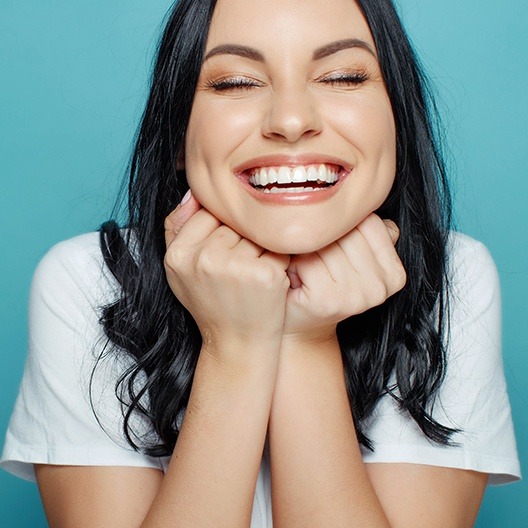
column 167, row 224
column 396, row 277
column 378, row 292
column 361, row 303
column 234, row 270
column 175, row 256
column 268, row 276
column 394, row 232
column 400, row 277
column 205, row 262
column 329, row 308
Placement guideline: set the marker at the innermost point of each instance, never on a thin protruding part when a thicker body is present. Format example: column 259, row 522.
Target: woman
column 277, row 358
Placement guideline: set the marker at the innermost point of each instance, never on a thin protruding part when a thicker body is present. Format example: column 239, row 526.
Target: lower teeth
column 291, row 189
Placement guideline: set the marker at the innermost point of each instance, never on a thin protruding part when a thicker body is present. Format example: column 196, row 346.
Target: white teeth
column 300, row 174
column 272, row 176
column 284, row 175
column 277, row 190
column 262, row 177
column 312, row 174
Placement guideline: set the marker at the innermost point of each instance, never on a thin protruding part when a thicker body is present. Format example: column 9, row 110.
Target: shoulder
column 67, row 412
column 74, row 256
column 473, row 397
column 467, row 255
column 71, row 268
column 71, row 286
column 473, row 282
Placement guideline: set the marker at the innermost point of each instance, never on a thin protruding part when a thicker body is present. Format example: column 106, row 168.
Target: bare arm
column 211, row 478
column 318, row 476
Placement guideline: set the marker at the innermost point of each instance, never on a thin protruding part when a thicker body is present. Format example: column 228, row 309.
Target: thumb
column 177, row 218
column 295, row 280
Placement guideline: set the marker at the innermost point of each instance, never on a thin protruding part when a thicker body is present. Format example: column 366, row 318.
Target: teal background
column 73, row 78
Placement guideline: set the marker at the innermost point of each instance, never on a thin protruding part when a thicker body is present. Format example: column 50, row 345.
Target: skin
column 290, row 105
column 267, row 282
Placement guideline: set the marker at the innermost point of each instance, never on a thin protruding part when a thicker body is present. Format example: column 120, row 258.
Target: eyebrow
column 339, row 45
column 236, row 49
column 320, row 53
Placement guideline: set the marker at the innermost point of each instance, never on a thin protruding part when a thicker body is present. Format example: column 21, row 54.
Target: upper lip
column 292, row 160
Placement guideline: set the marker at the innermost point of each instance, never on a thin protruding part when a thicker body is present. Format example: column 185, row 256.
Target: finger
column 279, row 260
column 307, row 271
column 295, row 281
column 381, row 238
column 381, row 235
column 392, row 228
column 358, row 253
column 338, row 265
column 379, row 270
column 196, row 229
column 224, row 237
column 181, row 214
column 282, row 260
column 248, row 248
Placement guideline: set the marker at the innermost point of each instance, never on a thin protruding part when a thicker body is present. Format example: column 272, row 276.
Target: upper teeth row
column 300, row 174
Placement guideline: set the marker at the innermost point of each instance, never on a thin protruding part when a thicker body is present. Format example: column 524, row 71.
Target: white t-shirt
column 53, row 421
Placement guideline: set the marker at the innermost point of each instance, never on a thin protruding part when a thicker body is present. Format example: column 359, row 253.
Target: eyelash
column 230, row 83
column 340, row 79
column 244, row 83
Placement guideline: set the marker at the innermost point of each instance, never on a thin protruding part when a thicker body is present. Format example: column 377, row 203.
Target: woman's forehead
column 279, row 23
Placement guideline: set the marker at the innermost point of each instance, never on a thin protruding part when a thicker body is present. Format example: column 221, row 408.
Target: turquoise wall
column 73, row 77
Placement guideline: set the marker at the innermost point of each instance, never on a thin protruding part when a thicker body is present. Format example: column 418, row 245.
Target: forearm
column 212, row 474
column 318, row 476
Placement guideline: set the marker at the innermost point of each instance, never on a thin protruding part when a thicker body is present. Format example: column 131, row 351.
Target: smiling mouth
column 298, row 179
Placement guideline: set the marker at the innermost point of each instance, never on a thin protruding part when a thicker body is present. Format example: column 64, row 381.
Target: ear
column 180, row 162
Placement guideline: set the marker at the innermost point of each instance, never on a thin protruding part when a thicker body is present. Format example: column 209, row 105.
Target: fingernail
column 186, row 197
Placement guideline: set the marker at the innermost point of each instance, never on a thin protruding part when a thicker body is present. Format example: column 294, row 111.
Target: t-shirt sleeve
column 66, row 412
column 473, row 397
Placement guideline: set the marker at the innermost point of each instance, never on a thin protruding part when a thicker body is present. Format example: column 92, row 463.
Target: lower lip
column 293, row 198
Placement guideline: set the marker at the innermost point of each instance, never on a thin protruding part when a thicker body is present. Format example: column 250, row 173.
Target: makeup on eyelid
column 242, row 82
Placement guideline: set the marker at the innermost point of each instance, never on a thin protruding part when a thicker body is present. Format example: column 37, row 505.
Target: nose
column 291, row 116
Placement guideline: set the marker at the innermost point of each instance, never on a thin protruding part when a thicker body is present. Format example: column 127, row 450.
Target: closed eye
column 344, row 78
column 234, row 83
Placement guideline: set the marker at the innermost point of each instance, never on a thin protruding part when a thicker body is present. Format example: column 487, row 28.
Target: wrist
column 240, row 354
column 316, row 339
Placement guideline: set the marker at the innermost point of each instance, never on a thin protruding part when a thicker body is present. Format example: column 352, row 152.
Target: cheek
column 216, row 129
column 200, row 142
column 214, row 133
column 368, row 124
column 197, row 140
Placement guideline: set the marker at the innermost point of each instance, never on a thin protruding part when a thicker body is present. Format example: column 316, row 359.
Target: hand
column 355, row 273
column 234, row 289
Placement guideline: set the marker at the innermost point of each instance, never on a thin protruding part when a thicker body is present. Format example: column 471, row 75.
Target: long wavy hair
column 395, row 350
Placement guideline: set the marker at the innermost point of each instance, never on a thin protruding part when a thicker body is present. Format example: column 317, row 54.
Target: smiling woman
column 286, row 332
column 312, row 97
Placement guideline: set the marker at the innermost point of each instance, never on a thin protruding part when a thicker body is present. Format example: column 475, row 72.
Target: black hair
column 396, row 349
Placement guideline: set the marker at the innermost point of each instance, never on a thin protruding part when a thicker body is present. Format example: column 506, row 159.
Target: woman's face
column 291, row 139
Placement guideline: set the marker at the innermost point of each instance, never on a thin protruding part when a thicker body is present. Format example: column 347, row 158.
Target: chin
column 292, row 237
column 303, row 243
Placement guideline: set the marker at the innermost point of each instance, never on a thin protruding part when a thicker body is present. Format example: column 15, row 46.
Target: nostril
column 291, row 121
